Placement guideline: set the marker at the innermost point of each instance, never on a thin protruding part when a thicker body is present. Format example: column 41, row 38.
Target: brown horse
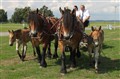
column 21, row 36
column 41, row 28
column 98, row 38
column 69, row 35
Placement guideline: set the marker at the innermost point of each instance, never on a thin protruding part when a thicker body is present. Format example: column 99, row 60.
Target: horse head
column 95, row 34
column 67, row 22
column 35, row 22
column 12, row 37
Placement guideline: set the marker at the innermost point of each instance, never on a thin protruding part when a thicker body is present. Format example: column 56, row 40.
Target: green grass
column 11, row 67
column 104, row 23
column 11, row 26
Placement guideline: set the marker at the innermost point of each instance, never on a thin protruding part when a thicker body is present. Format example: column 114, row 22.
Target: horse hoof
column 22, row 59
column 96, row 71
column 55, row 56
column 49, row 56
column 43, row 65
column 72, row 66
column 63, row 72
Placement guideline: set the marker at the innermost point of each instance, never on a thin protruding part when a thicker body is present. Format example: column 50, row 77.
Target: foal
column 21, row 37
column 98, row 38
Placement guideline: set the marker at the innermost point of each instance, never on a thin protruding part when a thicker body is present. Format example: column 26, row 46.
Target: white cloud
column 95, row 7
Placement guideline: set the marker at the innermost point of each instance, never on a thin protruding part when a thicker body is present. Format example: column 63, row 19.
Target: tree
column 20, row 14
column 3, row 15
column 45, row 11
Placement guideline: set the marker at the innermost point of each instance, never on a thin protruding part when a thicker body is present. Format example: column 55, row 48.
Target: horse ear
column 37, row 10
column 64, row 8
column 92, row 28
column 9, row 31
column 100, row 28
column 61, row 11
column 12, row 31
column 73, row 12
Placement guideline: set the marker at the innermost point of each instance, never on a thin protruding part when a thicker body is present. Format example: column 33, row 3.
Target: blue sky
column 99, row 9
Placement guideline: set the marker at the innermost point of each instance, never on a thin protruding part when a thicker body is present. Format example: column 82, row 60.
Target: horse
column 96, row 46
column 21, row 36
column 44, row 29
column 69, row 35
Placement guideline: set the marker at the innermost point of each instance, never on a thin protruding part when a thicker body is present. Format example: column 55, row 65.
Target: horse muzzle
column 96, row 44
column 11, row 44
column 67, row 37
column 33, row 33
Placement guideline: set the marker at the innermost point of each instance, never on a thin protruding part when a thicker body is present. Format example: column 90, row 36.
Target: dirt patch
column 15, row 61
column 116, row 39
column 12, row 61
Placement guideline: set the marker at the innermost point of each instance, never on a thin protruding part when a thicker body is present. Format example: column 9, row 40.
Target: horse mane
column 18, row 30
column 37, row 18
column 67, row 20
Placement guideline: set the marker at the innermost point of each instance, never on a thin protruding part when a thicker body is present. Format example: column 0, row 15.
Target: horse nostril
column 67, row 37
column 33, row 34
column 11, row 44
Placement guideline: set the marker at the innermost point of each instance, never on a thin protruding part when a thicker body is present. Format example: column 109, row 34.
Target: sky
column 99, row 9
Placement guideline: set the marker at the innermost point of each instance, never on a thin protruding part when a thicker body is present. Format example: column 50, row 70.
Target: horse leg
column 17, row 48
column 34, row 53
column 43, row 62
column 96, row 55
column 49, row 51
column 63, row 65
column 55, row 55
column 24, row 52
column 78, row 53
column 73, row 61
column 90, row 55
column 38, row 53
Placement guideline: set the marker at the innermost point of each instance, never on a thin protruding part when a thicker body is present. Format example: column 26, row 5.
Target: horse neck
column 18, row 34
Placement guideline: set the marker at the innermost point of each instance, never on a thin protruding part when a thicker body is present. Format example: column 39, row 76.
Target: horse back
column 51, row 27
column 25, row 35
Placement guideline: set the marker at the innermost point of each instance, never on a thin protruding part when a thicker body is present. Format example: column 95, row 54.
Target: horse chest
column 68, row 42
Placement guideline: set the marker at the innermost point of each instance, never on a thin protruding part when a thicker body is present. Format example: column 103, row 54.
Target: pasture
column 11, row 26
column 11, row 67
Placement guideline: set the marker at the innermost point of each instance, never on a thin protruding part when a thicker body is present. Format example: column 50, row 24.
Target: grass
column 11, row 26
column 11, row 67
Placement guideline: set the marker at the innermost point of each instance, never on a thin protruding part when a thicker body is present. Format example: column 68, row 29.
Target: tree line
column 20, row 14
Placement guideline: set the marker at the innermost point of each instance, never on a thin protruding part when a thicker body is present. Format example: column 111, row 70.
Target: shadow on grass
column 106, row 64
column 107, row 46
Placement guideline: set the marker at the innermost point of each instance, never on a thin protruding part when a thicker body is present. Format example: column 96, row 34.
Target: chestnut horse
column 98, row 38
column 21, row 37
column 69, row 35
column 42, row 30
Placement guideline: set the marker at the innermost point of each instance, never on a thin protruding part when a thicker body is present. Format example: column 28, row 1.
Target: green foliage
column 20, row 15
column 45, row 11
column 3, row 15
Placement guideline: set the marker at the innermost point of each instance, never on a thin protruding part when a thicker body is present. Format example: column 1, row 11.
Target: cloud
column 96, row 8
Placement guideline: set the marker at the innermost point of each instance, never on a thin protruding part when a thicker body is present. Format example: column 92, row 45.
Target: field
column 11, row 26
column 11, row 67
